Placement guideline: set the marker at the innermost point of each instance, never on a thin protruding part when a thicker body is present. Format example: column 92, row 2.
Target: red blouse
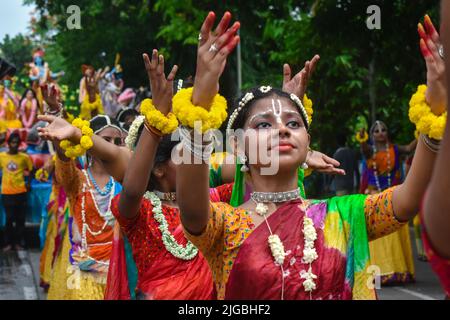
column 143, row 231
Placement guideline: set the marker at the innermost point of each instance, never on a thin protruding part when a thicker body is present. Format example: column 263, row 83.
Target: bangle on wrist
column 432, row 144
column 153, row 131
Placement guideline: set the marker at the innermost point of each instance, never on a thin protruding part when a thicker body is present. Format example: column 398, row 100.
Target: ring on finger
column 441, row 51
column 213, row 48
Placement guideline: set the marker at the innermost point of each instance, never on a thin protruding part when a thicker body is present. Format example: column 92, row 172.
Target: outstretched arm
column 408, row 148
column 194, row 206
column 114, row 158
column 407, row 197
column 137, row 176
column 437, row 202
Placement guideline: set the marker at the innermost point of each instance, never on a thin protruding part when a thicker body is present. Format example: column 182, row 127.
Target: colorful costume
column 8, row 115
column 90, row 232
column 28, row 112
column 393, row 254
column 58, row 216
column 243, row 266
column 160, row 275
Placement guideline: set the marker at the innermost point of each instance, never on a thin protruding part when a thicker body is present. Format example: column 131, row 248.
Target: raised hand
column 299, row 82
column 58, row 130
column 51, row 96
column 161, row 87
column 323, row 163
column 431, row 48
column 213, row 50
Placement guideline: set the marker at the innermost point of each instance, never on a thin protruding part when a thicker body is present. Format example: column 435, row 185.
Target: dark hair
column 124, row 112
column 163, row 153
column 239, row 122
column 34, row 97
column 14, row 135
column 101, row 121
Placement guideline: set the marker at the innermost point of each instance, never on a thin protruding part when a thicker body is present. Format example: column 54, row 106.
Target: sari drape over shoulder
column 243, row 266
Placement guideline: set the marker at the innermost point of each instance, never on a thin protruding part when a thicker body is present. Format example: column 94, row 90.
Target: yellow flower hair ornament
column 188, row 114
column 156, row 119
column 308, row 104
column 73, row 151
column 425, row 120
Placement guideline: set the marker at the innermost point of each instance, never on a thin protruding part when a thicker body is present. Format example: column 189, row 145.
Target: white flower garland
column 309, row 254
column 277, row 248
column 279, row 253
column 185, row 253
column 130, row 140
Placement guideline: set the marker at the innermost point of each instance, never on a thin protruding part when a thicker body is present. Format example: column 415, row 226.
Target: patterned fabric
column 347, row 224
column 91, row 264
column 161, row 275
column 143, row 235
column 381, row 159
column 13, row 167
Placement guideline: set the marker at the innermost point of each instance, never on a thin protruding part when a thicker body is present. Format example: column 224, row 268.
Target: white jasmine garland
column 265, row 89
column 187, row 252
column 133, row 132
column 309, row 254
column 277, row 248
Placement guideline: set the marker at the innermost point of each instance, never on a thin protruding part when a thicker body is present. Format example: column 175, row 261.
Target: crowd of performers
column 126, row 222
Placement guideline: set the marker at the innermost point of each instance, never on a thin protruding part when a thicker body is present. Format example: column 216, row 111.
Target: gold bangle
column 155, row 132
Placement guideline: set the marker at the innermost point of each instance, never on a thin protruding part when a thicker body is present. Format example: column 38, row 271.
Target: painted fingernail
column 424, row 49
column 421, row 31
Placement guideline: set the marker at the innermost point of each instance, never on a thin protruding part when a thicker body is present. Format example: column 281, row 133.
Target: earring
column 243, row 161
column 305, row 166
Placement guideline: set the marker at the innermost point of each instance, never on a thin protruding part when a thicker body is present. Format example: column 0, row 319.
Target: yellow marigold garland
column 156, row 119
column 41, row 172
column 92, row 105
column 72, row 151
column 87, row 107
column 363, row 139
column 188, row 114
column 425, row 120
column 308, row 104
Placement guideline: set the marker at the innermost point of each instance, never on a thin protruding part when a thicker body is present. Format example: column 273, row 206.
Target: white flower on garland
column 133, row 132
column 309, row 277
column 187, row 252
column 309, row 254
column 277, row 248
column 265, row 89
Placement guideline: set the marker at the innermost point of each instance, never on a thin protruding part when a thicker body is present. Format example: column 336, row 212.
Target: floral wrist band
column 426, row 121
column 41, row 172
column 73, row 151
column 362, row 139
column 156, row 119
column 188, row 114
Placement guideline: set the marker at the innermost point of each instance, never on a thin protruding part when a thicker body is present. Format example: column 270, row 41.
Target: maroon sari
column 255, row 276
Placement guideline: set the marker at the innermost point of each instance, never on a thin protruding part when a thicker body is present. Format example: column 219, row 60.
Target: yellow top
column 13, row 167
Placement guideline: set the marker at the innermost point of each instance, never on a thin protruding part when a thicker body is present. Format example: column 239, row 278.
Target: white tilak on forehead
column 277, row 113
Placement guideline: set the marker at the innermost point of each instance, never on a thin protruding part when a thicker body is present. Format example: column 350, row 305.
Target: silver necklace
column 166, row 196
column 276, row 196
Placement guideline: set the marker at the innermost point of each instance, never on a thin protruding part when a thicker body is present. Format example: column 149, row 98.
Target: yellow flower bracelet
column 188, row 114
column 41, row 172
column 363, row 139
column 73, row 151
column 156, row 119
column 425, row 120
